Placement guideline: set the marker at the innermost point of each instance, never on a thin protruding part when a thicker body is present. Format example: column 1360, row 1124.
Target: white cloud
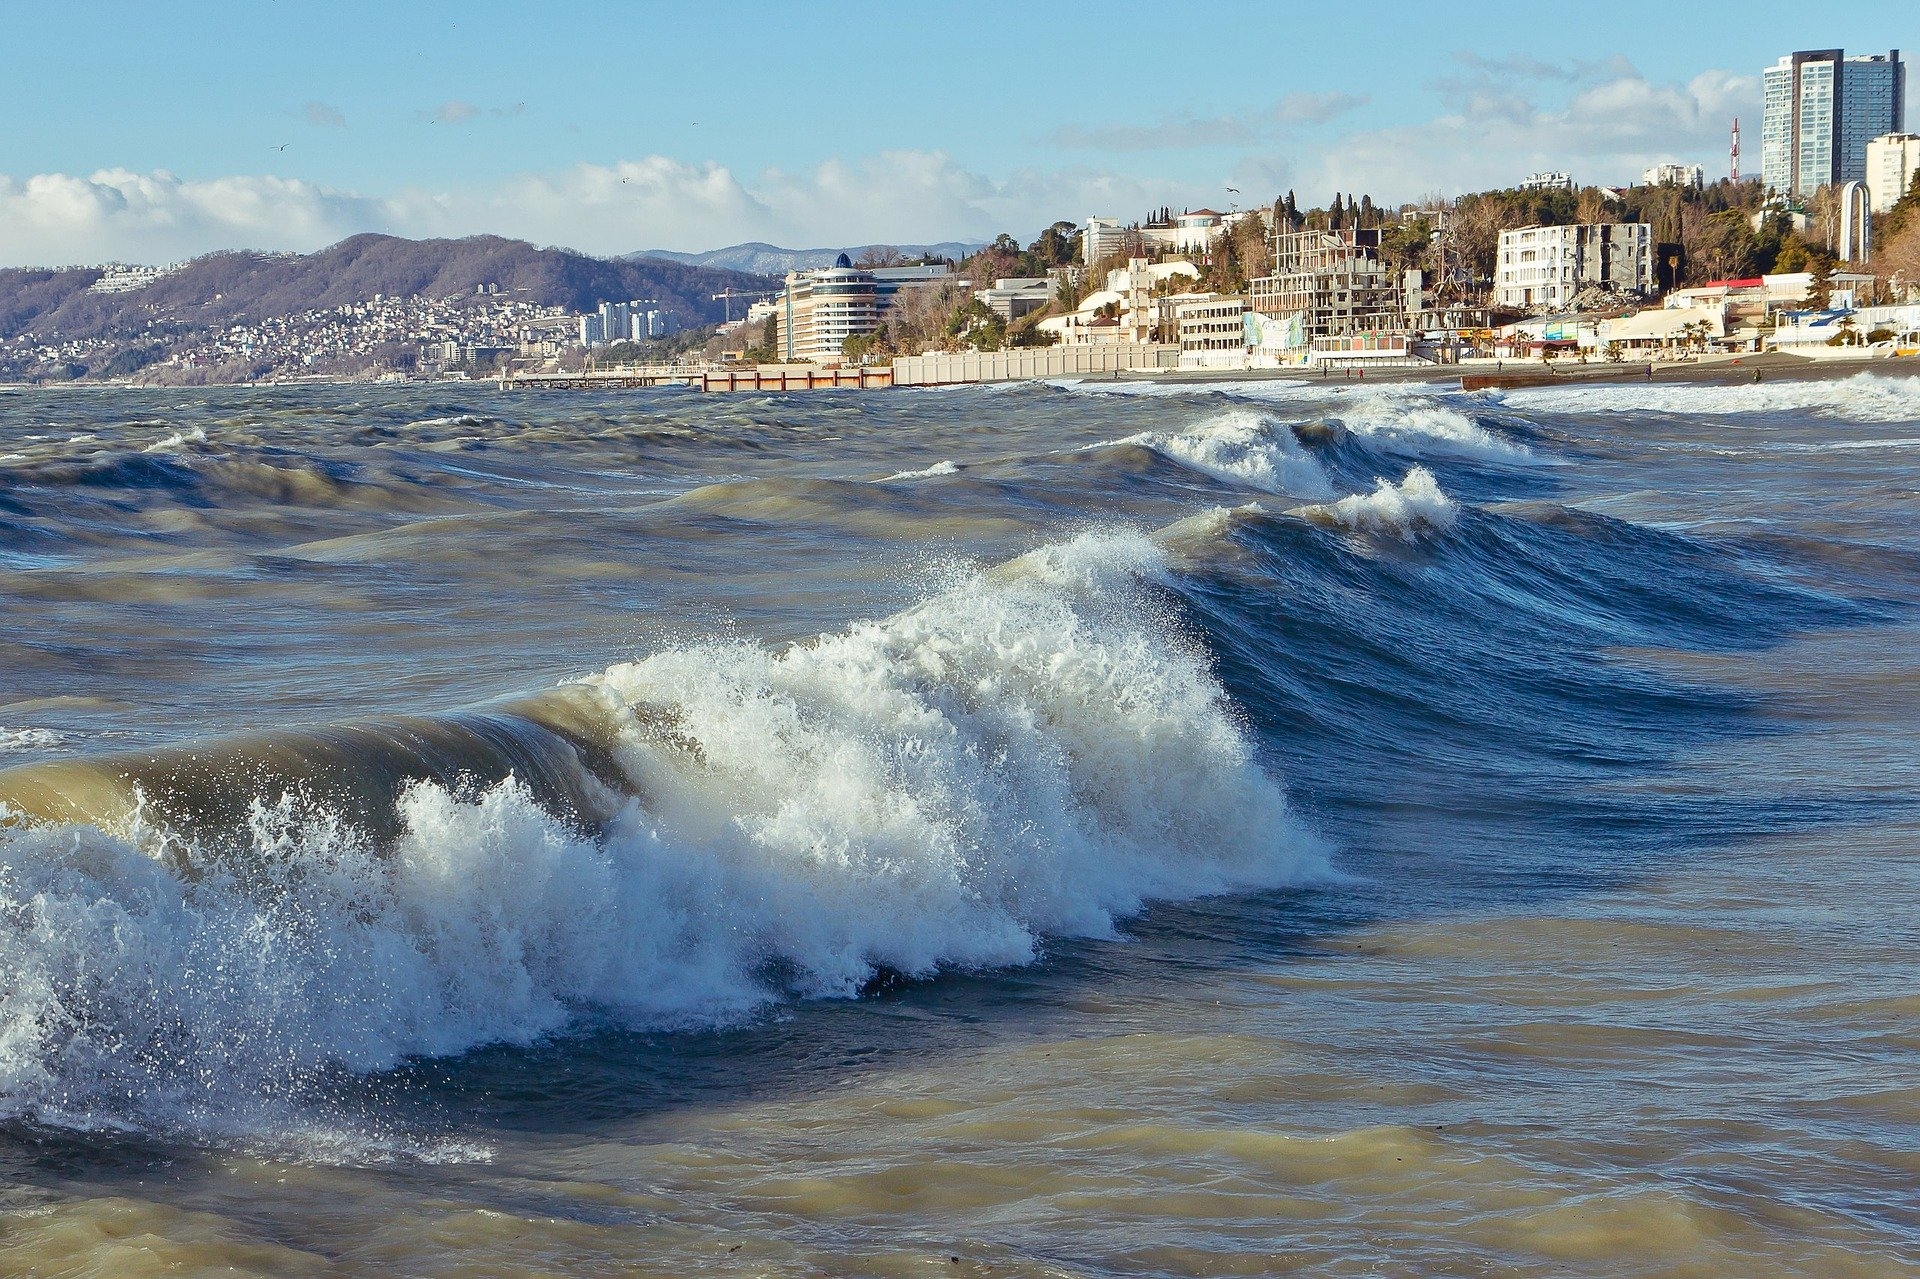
column 156, row 217
column 655, row 202
column 1495, row 133
column 1492, row 132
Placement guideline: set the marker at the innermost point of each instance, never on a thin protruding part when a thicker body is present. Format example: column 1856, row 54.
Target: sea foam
column 1242, row 447
column 1399, row 510
column 1863, row 397
column 1030, row 754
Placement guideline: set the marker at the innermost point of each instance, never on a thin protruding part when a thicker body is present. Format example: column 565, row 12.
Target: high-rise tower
column 1821, row 108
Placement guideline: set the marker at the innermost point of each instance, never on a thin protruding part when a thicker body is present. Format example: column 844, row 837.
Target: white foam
column 1423, row 426
column 197, row 435
column 29, row 739
column 1399, row 510
column 1252, row 388
column 1026, row 755
column 1864, row 397
column 925, row 473
column 1242, row 447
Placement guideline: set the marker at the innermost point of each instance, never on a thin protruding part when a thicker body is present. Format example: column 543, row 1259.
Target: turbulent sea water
column 1041, row 830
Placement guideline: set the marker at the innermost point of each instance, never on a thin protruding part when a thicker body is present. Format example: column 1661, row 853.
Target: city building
column 1674, row 175
column 1546, row 267
column 1213, row 331
column 1328, row 284
column 820, row 309
column 1892, row 161
column 1103, row 238
column 1194, row 231
column 1136, row 306
column 1546, row 182
column 1014, row 297
column 1820, row 109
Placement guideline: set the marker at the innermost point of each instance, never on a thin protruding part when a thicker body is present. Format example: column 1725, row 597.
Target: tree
column 1058, row 245
column 1820, row 288
column 1897, row 260
column 1890, row 224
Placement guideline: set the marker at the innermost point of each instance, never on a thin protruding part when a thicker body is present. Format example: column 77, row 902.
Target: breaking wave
column 1242, row 447
column 1422, row 426
column 1399, row 510
column 198, row 435
column 1031, row 754
column 1864, row 397
column 925, row 473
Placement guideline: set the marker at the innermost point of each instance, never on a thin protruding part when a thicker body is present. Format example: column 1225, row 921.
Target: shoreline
column 1724, row 370
column 1772, row 366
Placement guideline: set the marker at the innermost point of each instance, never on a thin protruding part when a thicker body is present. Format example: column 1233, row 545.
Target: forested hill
column 222, row 287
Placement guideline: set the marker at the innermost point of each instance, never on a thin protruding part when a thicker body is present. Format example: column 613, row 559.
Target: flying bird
column 283, row 146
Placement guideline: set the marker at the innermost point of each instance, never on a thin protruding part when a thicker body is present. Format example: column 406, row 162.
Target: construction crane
column 727, row 299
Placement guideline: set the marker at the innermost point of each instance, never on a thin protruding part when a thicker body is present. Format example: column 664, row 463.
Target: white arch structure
column 1856, row 222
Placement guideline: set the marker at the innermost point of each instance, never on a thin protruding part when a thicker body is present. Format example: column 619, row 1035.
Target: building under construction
column 1334, row 282
column 1332, row 285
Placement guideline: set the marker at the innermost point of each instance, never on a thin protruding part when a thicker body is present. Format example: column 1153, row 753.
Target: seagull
column 283, row 146
column 1234, row 190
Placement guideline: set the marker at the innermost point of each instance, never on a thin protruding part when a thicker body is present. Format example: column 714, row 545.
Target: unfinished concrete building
column 1334, row 282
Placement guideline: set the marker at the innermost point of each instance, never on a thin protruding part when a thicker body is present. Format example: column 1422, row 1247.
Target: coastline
column 1715, row 370
column 1771, row 365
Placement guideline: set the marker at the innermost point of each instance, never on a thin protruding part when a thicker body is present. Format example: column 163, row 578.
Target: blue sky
column 148, row 131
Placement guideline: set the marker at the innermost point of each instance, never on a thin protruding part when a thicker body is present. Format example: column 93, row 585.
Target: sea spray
column 1864, row 397
column 1242, row 447
column 1398, row 510
column 1032, row 753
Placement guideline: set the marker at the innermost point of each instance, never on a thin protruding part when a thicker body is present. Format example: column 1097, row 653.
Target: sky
column 151, row 132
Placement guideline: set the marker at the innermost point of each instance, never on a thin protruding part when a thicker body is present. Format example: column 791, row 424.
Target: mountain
column 221, row 287
column 771, row 259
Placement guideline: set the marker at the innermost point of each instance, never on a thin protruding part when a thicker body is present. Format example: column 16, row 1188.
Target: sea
column 1054, row 829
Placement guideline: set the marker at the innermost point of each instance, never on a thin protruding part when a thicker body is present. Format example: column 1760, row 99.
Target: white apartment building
column 1102, row 238
column 821, row 309
column 1546, row 182
column 1892, row 160
column 1013, row 297
column 1544, row 267
column 1213, row 331
column 1191, row 232
column 1675, row 175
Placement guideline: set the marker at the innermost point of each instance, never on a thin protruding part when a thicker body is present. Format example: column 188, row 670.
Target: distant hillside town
column 1818, row 255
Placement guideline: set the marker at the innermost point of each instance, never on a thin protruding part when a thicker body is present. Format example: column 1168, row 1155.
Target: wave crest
column 1398, row 510
column 1030, row 754
column 1246, row 448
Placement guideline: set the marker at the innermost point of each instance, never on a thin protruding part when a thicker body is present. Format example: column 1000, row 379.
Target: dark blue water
column 1067, row 829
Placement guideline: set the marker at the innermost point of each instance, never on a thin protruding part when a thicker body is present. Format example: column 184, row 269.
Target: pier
column 609, row 379
column 762, row 377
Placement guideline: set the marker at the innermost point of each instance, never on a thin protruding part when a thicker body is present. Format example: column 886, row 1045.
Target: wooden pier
column 748, row 377
column 609, row 379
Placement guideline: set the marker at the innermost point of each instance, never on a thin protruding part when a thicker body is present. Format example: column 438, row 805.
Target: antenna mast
column 1735, row 152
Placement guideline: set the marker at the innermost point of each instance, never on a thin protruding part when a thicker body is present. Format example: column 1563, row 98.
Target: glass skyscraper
column 1820, row 109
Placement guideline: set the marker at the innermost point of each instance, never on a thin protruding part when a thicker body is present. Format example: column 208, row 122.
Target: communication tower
column 1734, row 153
